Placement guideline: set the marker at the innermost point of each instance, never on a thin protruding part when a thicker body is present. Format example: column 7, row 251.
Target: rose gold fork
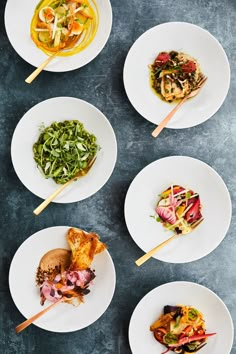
column 28, row 322
column 162, row 125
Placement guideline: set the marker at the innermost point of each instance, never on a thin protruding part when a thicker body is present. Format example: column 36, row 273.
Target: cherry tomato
column 189, row 67
column 162, row 58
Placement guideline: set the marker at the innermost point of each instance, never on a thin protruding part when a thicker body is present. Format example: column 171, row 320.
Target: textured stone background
column 100, row 83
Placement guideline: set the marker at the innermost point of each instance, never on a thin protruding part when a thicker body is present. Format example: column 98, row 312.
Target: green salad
column 64, row 149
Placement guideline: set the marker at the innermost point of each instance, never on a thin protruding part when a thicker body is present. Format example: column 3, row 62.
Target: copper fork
column 28, row 322
column 194, row 93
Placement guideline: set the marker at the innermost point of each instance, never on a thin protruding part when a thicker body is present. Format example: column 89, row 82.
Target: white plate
column 64, row 317
column 142, row 197
column 60, row 109
column 19, row 35
column 194, row 41
column 215, row 312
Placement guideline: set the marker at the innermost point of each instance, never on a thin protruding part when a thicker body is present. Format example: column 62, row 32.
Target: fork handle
column 37, row 71
column 162, row 125
column 28, row 322
column 47, row 201
column 151, row 253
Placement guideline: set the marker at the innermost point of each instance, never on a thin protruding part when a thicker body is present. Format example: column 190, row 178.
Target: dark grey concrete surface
column 100, row 83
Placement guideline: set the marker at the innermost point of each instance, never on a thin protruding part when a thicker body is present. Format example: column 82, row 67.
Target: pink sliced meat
column 69, row 280
column 84, row 277
column 49, row 292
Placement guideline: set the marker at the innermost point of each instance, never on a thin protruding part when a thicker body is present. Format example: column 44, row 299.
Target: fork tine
column 201, row 346
column 202, row 81
column 201, row 76
column 92, row 161
column 196, row 223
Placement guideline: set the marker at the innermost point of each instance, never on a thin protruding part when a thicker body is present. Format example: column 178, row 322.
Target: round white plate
column 19, row 35
column 148, row 310
column 142, row 197
column 60, row 109
column 64, row 317
column 194, row 41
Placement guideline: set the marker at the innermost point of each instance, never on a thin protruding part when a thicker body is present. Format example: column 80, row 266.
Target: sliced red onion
column 173, row 201
column 167, row 214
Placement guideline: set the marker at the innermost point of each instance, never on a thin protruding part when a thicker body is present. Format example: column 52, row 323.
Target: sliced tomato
column 159, row 334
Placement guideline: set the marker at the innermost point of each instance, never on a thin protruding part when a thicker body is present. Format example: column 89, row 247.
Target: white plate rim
column 156, row 256
column 83, row 102
column 169, row 284
column 170, row 126
column 10, row 277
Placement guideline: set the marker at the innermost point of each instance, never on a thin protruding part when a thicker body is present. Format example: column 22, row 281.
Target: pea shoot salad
column 64, row 149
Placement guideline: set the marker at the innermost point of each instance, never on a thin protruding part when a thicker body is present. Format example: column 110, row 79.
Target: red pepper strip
column 168, row 349
column 186, row 331
column 194, row 212
column 185, row 340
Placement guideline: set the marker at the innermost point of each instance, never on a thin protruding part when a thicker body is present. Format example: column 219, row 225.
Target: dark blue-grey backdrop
column 100, row 83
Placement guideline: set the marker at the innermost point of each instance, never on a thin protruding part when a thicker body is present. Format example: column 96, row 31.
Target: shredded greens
column 64, row 149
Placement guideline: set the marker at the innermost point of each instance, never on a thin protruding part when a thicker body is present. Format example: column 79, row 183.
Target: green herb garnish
column 193, row 314
column 188, row 195
column 157, row 218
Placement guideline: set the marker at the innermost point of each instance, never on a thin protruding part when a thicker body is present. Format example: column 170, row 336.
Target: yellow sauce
column 177, row 100
column 75, row 45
